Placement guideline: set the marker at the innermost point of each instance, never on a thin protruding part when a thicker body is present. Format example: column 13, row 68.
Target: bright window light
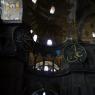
column 34, row 1
column 44, row 93
column 46, row 68
column 17, row 18
column 54, row 70
column 93, row 34
column 2, row 2
column 49, row 42
column 35, row 38
column 31, row 31
column 52, row 10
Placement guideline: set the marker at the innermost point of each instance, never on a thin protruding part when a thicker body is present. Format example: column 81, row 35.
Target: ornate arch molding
column 88, row 13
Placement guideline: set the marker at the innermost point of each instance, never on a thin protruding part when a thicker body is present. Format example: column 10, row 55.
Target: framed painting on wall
column 12, row 11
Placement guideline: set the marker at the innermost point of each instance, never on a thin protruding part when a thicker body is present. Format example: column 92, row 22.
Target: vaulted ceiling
column 47, row 25
column 60, row 25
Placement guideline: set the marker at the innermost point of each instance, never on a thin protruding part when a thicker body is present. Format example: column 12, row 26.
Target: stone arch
column 88, row 13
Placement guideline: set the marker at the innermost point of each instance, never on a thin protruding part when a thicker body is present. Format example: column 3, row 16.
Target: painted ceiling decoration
column 12, row 11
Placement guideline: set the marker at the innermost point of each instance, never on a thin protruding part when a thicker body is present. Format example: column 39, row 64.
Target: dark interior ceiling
column 55, row 26
column 13, row 79
column 83, row 7
column 47, row 25
column 42, row 7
